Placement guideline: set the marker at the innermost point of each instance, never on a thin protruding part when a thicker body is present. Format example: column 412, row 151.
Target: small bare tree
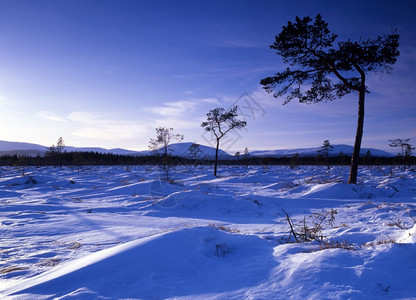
column 405, row 146
column 220, row 122
column 53, row 152
column 60, row 145
column 324, row 151
column 246, row 154
column 163, row 138
column 195, row 153
column 59, row 148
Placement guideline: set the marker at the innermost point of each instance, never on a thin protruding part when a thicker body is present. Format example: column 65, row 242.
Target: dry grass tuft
column 224, row 228
column 12, row 269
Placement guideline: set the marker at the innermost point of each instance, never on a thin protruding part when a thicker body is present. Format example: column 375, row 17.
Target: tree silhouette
column 246, row 154
column 60, row 145
column 320, row 71
column 220, row 122
column 194, row 152
column 405, row 146
column 324, row 151
column 54, row 153
column 163, row 137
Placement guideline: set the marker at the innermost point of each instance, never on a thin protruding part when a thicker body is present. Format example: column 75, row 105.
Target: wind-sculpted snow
column 180, row 263
column 127, row 232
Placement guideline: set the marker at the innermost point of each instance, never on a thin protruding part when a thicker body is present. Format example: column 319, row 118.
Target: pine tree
column 323, row 70
column 324, row 151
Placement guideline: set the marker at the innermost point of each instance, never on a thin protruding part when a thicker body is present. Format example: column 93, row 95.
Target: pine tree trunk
column 216, row 157
column 358, row 137
column 165, row 155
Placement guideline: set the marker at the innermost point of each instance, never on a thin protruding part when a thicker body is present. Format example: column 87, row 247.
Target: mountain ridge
column 182, row 150
column 345, row 149
column 178, row 149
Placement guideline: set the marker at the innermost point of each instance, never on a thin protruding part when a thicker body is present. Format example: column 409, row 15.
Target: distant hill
column 21, row 149
column 11, row 146
column 181, row 149
column 178, row 149
column 346, row 149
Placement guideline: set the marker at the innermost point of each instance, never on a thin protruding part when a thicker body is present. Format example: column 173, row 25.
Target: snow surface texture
column 123, row 232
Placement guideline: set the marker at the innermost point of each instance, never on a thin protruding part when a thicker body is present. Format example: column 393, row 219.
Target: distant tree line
column 95, row 158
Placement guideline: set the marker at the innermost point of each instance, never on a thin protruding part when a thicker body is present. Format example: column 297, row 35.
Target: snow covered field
column 122, row 232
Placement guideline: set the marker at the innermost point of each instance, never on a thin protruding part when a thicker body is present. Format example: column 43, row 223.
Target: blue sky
column 107, row 73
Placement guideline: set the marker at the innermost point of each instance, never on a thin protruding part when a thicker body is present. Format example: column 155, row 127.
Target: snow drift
column 195, row 261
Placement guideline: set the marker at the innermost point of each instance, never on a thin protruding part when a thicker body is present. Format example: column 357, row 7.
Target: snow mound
column 337, row 190
column 331, row 190
column 187, row 262
column 31, row 180
column 384, row 272
column 401, row 185
column 409, row 237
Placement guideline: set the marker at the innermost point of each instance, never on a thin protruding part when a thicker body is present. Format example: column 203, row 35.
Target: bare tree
column 324, row 151
column 246, row 154
column 163, row 138
column 195, row 153
column 60, row 145
column 54, row 152
column 405, row 146
column 220, row 122
column 59, row 148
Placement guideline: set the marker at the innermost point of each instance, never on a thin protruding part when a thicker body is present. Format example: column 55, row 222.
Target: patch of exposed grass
column 12, row 269
column 224, row 228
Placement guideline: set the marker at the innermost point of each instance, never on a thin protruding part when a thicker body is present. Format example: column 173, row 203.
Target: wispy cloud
column 99, row 127
column 85, row 117
column 109, row 133
column 181, row 108
column 173, row 108
column 51, row 116
column 4, row 102
column 182, row 114
column 210, row 101
column 178, row 123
